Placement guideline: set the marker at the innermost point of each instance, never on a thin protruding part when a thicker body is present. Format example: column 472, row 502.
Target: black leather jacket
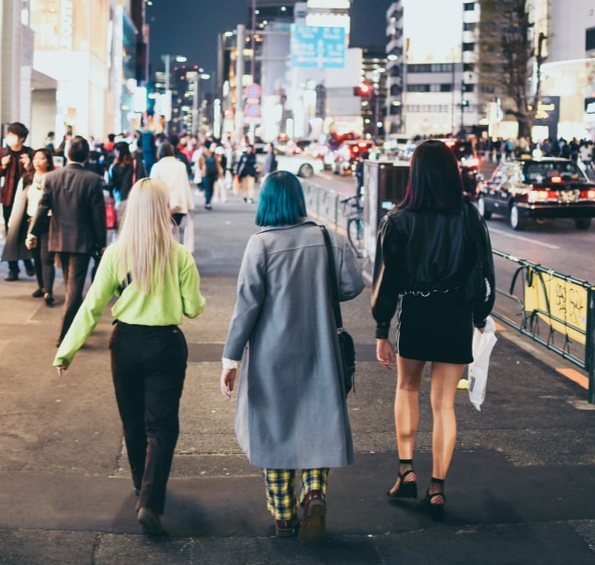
column 426, row 251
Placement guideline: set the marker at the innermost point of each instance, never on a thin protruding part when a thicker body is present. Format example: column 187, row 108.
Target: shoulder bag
column 345, row 340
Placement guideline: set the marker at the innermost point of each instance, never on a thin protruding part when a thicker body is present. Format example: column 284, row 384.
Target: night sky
column 190, row 27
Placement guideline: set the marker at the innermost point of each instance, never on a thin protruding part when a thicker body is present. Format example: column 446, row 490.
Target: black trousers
column 148, row 369
column 74, row 272
column 43, row 259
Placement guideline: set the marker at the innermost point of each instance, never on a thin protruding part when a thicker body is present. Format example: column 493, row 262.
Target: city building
column 431, row 51
column 569, row 70
column 73, row 67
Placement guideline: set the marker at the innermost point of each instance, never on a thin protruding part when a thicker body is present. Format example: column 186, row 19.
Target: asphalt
column 520, row 489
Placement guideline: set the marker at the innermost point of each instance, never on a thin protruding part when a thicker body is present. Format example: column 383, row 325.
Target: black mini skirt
column 435, row 326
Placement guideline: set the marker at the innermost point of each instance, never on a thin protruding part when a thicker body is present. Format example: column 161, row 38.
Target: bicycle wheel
column 355, row 235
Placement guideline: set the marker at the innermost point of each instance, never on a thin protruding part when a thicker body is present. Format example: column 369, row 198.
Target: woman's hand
column 385, row 353
column 62, row 367
column 228, row 377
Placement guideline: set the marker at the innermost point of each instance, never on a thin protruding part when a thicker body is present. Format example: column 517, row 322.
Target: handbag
column 346, row 343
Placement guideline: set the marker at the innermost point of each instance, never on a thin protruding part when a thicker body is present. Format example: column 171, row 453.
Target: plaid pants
column 280, row 489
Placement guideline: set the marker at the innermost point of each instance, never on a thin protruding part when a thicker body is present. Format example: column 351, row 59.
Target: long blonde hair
column 145, row 237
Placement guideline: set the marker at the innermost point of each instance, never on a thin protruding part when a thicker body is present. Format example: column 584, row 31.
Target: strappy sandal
column 434, row 503
column 407, row 489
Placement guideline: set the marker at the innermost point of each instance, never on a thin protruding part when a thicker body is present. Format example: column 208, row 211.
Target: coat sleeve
column 385, row 290
column 98, row 212
column 482, row 310
column 193, row 302
column 38, row 225
column 250, row 297
column 18, row 207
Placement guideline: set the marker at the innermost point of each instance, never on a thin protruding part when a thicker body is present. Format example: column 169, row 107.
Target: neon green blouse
column 180, row 296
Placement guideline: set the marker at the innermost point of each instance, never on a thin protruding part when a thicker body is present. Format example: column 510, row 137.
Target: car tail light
column 543, row 195
column 471, row 162
column 588, row 194
column 556, row 179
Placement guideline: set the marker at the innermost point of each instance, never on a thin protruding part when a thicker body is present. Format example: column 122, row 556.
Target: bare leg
column 445, row 377
column 409, row 376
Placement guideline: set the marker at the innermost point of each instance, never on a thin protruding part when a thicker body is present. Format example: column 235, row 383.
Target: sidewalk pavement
column 520, row 489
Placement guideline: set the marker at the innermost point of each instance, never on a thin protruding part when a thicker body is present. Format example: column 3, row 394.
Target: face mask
column 12, row 140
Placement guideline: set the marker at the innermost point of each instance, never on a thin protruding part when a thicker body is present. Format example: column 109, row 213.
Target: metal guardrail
column 564, row 304
column 323, row 203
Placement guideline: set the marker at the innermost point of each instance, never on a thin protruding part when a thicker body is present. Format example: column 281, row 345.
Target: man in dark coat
column 15, row 161
column 77, row 227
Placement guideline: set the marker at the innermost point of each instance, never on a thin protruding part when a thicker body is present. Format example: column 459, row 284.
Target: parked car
column 538, row 189
column 301, row 165
column 468, row 163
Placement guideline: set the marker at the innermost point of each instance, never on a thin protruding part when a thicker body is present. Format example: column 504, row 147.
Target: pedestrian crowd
column 282, row 353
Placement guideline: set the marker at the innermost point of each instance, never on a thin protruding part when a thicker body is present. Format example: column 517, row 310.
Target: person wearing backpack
column 211, row 171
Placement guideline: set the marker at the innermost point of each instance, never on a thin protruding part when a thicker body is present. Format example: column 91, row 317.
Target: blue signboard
column 317, row 47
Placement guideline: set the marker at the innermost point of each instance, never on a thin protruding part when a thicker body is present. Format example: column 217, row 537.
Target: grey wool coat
column 291, row 408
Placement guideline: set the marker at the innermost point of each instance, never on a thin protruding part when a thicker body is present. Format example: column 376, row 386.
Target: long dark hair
column 435, row 181
column 28, row 177
column 124, row 156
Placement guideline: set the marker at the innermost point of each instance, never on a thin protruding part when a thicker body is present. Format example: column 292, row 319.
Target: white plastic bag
column 483, row 343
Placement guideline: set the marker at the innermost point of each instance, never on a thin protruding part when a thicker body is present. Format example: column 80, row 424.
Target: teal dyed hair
column 281, row 200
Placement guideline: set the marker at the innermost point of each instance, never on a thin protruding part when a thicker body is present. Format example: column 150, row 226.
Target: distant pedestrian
column 173, row 173
column 210, row 171
column 28, row 195
column 270, row 160
column 425, row 254
column 122, row 175
column 246, row 173
column 156, row 284
column 291, row 409
column 74, row 196
column 15, row 162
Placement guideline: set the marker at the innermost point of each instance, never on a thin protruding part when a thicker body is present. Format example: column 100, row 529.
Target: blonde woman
column 156, row 283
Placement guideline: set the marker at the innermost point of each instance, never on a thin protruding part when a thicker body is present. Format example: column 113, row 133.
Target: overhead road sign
column 317, row 47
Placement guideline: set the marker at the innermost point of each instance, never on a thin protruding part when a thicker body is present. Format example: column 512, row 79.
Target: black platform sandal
column 435, row 501
column 407, row 488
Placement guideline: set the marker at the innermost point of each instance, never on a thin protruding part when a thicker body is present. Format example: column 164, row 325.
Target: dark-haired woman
column 27, row 197
column 123, row 173
column 425, row 252
column 291, row 409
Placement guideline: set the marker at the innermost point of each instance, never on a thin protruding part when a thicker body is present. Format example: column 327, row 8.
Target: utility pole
column 239, row 86
column 195, row 106
column 167, row 60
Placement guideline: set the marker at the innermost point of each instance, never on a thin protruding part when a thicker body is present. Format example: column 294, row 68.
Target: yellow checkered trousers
column 280, row 489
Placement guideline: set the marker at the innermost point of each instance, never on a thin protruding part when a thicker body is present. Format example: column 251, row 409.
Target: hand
column 385, row 353
column 31, row 242
column 5, row 161
column 228, row 377
column 62, row 367
column 481, row 330
column 25, row 160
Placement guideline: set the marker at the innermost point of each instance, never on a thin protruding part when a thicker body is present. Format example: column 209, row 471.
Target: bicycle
column 352, row 208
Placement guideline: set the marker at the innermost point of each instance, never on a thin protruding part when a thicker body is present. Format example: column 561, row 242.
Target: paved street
column 520, row 490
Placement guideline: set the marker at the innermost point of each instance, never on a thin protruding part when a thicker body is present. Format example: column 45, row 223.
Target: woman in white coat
column 291, row 409
column 173, row 173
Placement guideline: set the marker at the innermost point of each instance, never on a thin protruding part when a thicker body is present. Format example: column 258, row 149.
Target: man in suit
column 77, row 226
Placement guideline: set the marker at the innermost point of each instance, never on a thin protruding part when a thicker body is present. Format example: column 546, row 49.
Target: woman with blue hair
column 291, row 408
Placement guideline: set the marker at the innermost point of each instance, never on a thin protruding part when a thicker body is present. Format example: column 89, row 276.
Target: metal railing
column 565, row 305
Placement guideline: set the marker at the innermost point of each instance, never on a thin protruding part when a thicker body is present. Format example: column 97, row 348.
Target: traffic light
column 364, row 90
